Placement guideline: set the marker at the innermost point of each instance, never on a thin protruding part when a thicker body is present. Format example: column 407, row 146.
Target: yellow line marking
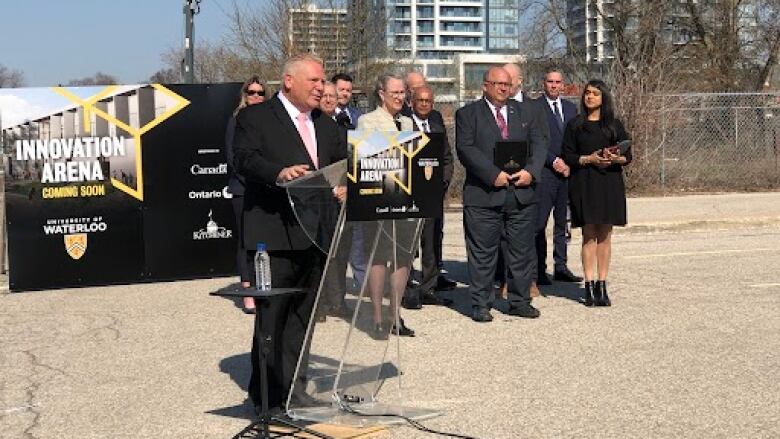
column 713, row 252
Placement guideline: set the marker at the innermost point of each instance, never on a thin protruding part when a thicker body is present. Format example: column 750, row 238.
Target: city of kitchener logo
column 212, row 231
column 76, row 245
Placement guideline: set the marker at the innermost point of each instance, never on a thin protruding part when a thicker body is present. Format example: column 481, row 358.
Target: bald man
column 413, row 80
column 496, row 202
column 516, row 74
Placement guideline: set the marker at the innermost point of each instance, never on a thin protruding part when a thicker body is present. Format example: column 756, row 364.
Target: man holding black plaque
column 502, row 144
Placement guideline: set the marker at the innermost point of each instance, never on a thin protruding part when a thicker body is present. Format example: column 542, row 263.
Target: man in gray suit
column 495, row 202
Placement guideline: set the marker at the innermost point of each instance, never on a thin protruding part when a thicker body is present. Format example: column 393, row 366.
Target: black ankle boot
column 601, row 296
column 589, row 286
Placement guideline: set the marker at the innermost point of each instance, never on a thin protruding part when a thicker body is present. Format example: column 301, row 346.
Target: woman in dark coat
column 252, row 93
column 597, row 192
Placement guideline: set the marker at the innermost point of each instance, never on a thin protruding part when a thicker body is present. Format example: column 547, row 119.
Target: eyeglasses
column 254, row 92
column 498, row 84
column 395, row 93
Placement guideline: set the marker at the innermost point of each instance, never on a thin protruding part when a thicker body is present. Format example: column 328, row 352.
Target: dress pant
column 286, row 319
column 335, row 284
column 430, row 243
column 553, row 196
column 242, row 257
column 484, row 227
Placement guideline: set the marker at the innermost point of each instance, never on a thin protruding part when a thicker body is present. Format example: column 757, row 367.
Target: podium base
column 363, row 414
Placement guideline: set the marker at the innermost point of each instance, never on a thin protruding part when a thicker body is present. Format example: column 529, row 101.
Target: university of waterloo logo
column 76, row 245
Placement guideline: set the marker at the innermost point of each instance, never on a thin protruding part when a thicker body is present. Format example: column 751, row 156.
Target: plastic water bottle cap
column 261, row 246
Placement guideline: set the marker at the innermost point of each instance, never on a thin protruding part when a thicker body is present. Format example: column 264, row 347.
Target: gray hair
column 381, row 83
column 292, row 64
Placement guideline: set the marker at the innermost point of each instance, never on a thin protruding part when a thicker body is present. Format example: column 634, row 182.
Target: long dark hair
column 606, row 111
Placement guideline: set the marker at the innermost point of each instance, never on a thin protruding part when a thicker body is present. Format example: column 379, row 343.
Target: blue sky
column 54, row 41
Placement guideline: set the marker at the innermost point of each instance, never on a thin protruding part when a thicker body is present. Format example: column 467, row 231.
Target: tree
column 98, row 78
column 10, row 78
column 165, row 76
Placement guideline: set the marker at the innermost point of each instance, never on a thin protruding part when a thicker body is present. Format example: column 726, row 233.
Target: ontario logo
column 75, row 232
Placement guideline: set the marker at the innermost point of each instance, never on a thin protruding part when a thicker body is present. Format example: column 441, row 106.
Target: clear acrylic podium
column 350, row 369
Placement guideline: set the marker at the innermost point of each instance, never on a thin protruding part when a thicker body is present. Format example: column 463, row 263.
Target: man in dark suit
column 516, row 75
column 428, row 120
column 554, row 188
column 278, row 141
column 496, row 202
column 414, row 80
column 346, row 115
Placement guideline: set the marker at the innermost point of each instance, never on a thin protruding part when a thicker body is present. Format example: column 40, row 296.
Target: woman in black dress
column 597, row 193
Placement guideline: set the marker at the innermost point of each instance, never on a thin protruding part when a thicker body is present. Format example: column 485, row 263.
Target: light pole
column 191, row 8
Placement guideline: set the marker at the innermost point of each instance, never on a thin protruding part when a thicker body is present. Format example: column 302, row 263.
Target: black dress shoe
column 430, row 298
column 445, row 284
column 342, row 311
column 401, row 329
column 526, row 311
column 273, row 412
column 565, row 275
column 481, row 315
column 543, row 279
column 411, row 301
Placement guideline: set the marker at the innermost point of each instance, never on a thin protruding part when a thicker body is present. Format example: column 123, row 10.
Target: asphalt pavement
column 689, row 349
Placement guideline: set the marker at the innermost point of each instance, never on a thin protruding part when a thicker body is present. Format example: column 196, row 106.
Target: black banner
column 117, row 184
column 395, row 175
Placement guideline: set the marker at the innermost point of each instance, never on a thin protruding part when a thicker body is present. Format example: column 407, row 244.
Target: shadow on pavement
column 567, row 290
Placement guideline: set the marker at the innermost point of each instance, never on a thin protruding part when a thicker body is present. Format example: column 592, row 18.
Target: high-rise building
column 428, row 35
column 322, row 32
column 592, row 36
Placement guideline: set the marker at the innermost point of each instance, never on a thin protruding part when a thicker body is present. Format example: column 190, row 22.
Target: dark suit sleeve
column 543, row 108
column 340, row 142
column 538, row 141
column 475, row 161
column 249, row 143
column 229, row 134
column 448, row 164
column 569, row 148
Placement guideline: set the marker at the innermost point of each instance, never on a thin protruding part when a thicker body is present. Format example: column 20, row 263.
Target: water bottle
column 262, row 268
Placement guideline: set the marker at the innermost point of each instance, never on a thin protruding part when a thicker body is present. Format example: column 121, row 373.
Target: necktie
column 397, row 124
column 425, row 126
column 502, row 124
column 308, row 140
column 558, row 118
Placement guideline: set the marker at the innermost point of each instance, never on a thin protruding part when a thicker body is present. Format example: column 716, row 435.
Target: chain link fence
column 690, row 143
column 708, row 142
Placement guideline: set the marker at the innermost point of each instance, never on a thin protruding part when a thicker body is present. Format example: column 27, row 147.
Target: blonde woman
column 252, row 93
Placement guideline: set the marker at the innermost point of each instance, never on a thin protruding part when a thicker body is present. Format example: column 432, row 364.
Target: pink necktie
column 502, row 124
column 308, row 140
